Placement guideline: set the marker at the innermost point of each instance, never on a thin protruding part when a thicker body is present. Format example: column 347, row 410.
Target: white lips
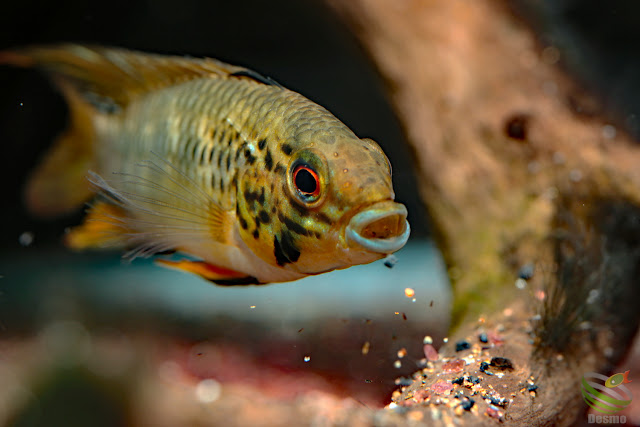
column 380, row 211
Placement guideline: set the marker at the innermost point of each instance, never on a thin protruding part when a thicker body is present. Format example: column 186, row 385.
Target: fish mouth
column 381, row 227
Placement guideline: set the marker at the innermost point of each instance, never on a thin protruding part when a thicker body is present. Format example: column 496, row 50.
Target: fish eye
column 306, row 182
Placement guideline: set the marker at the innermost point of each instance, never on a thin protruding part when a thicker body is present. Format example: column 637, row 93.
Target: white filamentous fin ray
column 155, row 186
column 167, row 213
column 215, row 211
column 182, row 174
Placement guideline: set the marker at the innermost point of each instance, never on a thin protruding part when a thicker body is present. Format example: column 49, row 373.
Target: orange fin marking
column 102, row 227
column 202, row 269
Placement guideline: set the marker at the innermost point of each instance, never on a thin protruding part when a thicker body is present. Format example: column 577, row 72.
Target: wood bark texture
column 516, row 166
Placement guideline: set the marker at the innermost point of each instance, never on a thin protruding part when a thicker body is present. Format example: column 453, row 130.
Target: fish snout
column 381, row 228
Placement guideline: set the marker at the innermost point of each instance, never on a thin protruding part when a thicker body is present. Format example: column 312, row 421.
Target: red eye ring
column 306, row 182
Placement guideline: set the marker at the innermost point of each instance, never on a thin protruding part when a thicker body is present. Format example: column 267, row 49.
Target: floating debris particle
column 365, row 348
column 521, row 283
column 208, row 390
column 442, row 387
column 252, row 307
column 307, row 358
column 300, row 330
column 431, row 303
column 430, row 353
column 508, row 312
column 402, row 353
column 390, row 261
column 483, row 337
column 526, row 271
column 409, row 292
column 26, row 238
column 463, row 345
column 368, row 381
column 397, row 364
column 404, row 316
column 454, row 366
column 445, row 340
column 427, row 340
column 501, row 363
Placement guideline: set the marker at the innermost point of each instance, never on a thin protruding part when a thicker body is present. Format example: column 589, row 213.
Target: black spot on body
column 268, row 160
column 286, row 149
column 211, row 154
column 228, row 163
column 194, row 150
column 261, row 196
column 256, row 234
column 243, row 222
column 285, row 249
column 250, row 196
column 292, row 225
column 264, row 217
column 250, row 157
column 262, row 143
column 220, row 158
column 279, row 169
column 322, row 217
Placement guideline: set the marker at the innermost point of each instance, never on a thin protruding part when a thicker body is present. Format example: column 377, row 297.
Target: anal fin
column 218, row 275
column 102, row 227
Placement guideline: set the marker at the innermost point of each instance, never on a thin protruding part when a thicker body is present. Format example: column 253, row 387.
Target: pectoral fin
column 218, row 275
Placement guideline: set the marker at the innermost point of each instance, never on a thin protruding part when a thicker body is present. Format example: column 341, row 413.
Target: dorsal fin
column 117, row 76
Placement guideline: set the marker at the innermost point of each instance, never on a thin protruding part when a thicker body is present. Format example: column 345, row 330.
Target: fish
column 617, row 379
column 250, row 182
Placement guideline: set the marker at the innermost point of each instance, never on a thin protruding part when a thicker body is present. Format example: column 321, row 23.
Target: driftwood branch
column 517, row 167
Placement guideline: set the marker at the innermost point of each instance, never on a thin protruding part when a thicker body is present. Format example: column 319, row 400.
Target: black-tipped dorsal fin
column 111, row 75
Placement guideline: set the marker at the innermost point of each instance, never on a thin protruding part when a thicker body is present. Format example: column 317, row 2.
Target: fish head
column 333, row 207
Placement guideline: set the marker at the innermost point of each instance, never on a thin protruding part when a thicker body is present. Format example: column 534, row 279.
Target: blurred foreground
column 87, row 339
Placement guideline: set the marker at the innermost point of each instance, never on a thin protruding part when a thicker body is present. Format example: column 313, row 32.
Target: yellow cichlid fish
column 214, row 161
